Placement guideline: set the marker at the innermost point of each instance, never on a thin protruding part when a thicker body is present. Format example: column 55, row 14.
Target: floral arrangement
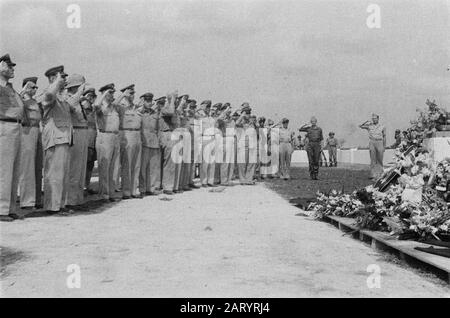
column 415, row 205
column 429, row 120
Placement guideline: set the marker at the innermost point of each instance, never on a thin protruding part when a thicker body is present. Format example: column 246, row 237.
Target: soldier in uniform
column 107, row 143
column 181, row 123
column 87, row 102
column 185, row 130
column 31, row 156
column 377, row 144
column 331, row 145
column 285, row 149
column 216, row 111
column 207, row 171
column 196, row 141
column 246, row 146
column 57, row 135
column 78, row 153
column 11, row 109
column 167, row 124
column 131, row 144
column 227, row 127
column 150, row 178
column 314, row 136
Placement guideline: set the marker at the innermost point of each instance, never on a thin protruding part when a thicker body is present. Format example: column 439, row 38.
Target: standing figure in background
column 377, row 144
column 300, row 142
column 87, row 102
column 314, row 136
column 331, row 145
column 286, row 149
column 398, row 139
column 31, row 154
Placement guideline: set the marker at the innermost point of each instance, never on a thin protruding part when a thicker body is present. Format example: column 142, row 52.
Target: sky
column 293, row 59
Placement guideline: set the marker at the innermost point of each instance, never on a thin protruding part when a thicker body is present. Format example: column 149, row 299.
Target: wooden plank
column 403, row 247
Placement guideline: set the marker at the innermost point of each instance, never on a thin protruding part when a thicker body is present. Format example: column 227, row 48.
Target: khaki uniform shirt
column 32, row 113
column 131, row 118
column 376, row 131
column 11, row 105
column 56, row 121
column 108, row 118
column 332, row 142
column 150, row 128
column 314, row 134
column 285, row 135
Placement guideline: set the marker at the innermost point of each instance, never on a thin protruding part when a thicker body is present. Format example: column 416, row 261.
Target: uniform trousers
column 285, row 159
column 376, row 150
column 78, row 155
column 208, row 166
column 168, row 165
column 10, row 138
column 108, row 148
column 314, row 149
column 56, row 176
column 150, row 175
column 31, row 165
column 130, row 161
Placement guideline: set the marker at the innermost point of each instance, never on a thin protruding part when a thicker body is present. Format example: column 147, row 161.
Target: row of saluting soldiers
column 58, row 135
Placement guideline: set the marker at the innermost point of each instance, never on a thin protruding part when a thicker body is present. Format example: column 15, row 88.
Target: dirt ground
column 241, row 241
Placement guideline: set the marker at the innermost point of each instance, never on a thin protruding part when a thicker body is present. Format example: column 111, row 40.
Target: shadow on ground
column 300, row 190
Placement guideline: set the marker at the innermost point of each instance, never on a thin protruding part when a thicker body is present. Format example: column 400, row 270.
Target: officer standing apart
column 377, row 144
column 286, row 149
column 107, row 143
column 11, row 109
column 30, row 181
column 78, row 153
column 314, row 138
column 331, row 145
column 57, row 135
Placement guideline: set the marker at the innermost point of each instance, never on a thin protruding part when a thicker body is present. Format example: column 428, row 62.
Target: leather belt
column 11, row 120
column 30, row 125
column 108, row 131
column 80, row 127
column 131, row 129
